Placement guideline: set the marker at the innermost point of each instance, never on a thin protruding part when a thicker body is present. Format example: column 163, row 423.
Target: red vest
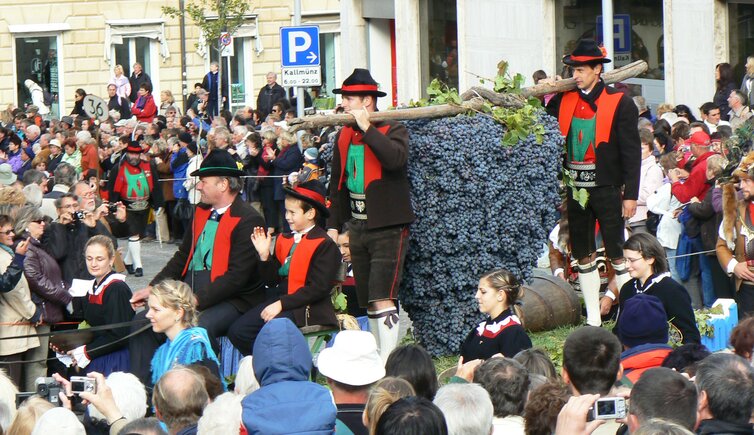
column 607, row 105
column 221, row 245
column 372, row 166
column 302, row 257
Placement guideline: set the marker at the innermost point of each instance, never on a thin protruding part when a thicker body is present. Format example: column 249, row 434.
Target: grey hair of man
column 129, row 394
column 144, row 426
column 59, row 201
column 727, row 381
column 32, row 176
column 223, row 415
column 65, row 174
column 507, row 382
column 246, row 381
column 467, row 409
column 33, row 194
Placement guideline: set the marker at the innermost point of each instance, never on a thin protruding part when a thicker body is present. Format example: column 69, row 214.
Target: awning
column 116, row 31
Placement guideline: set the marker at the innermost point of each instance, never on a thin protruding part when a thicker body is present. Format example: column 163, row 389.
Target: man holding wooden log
column 369, row 188
column 603, row 157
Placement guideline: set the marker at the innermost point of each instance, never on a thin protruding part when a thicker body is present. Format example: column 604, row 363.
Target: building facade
column 66, row 45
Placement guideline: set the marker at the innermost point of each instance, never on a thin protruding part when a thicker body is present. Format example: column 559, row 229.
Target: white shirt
column 663, row 203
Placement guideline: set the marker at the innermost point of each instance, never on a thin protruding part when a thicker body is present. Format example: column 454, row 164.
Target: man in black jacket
column 138, row 78
column 603, row 161
column 369, row 188
column 216, row 258
column 117, row 103
column 269, row 95
column 726, row 395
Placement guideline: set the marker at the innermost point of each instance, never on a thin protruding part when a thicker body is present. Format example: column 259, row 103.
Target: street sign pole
column 300, row 90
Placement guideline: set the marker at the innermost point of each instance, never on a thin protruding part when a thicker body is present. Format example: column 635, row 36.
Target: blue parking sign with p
column 299, row 46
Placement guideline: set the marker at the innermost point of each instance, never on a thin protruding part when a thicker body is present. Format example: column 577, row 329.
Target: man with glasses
column 270, row 94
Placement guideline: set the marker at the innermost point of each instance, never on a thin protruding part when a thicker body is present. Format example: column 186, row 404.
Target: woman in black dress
column 648, row 266
column 502, row 332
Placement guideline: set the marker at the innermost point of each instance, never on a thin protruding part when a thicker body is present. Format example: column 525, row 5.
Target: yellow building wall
column 84, row 65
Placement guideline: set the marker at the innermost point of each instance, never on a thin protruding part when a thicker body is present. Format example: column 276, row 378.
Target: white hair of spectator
column 129, row 394
column 467, row 409
column 246, row 380
column 222, row 416
column 172, row 141
column 33, row 194
column 33, row 130
column 8, row 393
column 240, row 130
column 83, row 136
column 58, row 421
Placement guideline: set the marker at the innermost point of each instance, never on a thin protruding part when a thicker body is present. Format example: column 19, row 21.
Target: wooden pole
column 473, row 100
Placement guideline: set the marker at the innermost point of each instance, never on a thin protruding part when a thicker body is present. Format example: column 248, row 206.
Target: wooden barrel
column 549, row 302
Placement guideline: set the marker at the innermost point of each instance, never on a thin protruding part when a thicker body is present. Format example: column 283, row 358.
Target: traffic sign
column 225, row 39
column 299, row 46
column 301, row 76
column 95, row 107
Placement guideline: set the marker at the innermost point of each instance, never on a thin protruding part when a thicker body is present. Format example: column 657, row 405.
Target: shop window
column 234, row 66
column 37, row 60
column 442, row 37
column 642, row 39
column 327, row 51
column 741, row 36
column 638, row 35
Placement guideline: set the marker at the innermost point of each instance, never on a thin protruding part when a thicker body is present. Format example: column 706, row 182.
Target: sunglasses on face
column 7, row 233
column 39, row 221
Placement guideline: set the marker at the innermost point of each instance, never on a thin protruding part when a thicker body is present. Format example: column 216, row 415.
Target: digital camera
column 112, row 207
column 608, row 408
column 49, row 389
column 78, row 215
column 83, row 384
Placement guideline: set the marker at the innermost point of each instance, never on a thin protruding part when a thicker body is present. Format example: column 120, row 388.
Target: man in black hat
column 369, row 188
column 137, row 186
column 604, row 158
column 216, row 258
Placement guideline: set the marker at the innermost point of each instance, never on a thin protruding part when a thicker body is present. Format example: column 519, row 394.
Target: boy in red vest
column 304, row 269
column 369, row 189
column 603, row 157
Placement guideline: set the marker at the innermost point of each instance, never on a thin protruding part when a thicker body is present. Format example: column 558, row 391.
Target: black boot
column 130, row 269
column 139, row 272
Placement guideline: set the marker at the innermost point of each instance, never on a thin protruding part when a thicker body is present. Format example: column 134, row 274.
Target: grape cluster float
column 479, row 206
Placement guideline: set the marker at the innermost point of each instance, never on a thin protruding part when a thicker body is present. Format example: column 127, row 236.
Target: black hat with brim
column 360, row 82
column 312, row 192
column 218, row 163
column 134, row 147
column 586, row 52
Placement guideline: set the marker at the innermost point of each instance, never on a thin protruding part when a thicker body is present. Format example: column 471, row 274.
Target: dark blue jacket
column 287, row 402
column 288, row 161
column 179, row 163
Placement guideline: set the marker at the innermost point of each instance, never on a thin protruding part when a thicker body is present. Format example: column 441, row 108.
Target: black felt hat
column 586, row 52
column 360, row 82
column 218, row 163
column 312, row 192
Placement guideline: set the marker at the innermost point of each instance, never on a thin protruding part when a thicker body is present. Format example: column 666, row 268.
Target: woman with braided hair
column 172, row 311
column 502, row 332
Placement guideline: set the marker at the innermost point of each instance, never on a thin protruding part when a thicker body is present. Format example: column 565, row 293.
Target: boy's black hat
column 360, row 82
column 312, row 192
column 218, row 163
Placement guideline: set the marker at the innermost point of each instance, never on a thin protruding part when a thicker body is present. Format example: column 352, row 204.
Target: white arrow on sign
column 312, row 57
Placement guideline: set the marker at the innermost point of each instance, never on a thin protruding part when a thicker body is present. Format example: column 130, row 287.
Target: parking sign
column 299, row 46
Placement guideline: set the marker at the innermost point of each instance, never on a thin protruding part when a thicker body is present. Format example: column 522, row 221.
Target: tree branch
column 474, row 100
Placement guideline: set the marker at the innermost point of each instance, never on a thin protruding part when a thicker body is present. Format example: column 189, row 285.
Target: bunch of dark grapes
column 479, row 206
